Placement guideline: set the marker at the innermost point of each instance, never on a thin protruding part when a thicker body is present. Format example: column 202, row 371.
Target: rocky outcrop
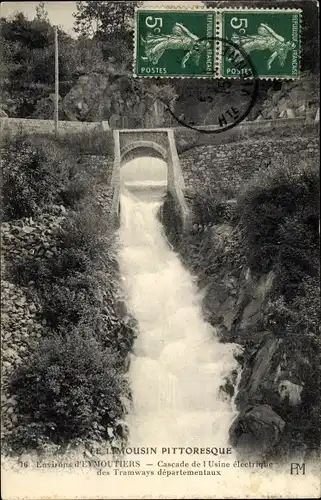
column 98, row 97
column 256, row 431
column 273, row 385
column 234, row 301
column 295, row 99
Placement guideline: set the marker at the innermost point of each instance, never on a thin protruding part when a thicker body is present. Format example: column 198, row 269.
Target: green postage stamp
column 175, row 43
column 192, row 42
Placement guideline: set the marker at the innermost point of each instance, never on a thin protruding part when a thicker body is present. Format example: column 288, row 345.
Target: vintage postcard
column 160, row 275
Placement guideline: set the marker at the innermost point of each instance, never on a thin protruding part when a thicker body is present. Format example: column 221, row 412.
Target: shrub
column 69, row 300
column 72, row 384
column 37, row 172
column 69, row 388
column 279, row 211
column 89, row 142
column 85, row 229
column 209, row 207
column 34, row 173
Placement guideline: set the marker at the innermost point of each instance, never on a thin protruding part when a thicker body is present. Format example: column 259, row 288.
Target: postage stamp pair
column 189, row 42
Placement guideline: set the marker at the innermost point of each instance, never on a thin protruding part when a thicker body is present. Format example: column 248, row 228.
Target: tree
column 41, row 13
column 27, row 65
column 104, row 18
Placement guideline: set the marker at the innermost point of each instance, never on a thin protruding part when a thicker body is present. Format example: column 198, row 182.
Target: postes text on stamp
column 174, row 43
column 270, row 37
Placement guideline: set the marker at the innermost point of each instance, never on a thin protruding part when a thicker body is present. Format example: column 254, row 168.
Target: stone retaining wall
column 223, row 168
column 13, row 126
column 21, row 325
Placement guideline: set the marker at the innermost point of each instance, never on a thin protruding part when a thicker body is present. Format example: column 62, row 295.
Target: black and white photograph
column 160, row 257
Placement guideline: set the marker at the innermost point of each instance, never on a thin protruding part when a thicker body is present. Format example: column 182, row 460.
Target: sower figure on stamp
column 180, row 39
column 266, row 39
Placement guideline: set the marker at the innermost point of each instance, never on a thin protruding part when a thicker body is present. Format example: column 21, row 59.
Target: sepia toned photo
column 160, row 274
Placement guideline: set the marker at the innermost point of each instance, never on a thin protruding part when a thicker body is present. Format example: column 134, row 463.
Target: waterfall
column 177, row 368
column 178, row 364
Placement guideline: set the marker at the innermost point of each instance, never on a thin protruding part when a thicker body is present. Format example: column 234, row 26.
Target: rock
column 20, row 302
column 3, row 114
column 256, row 431
column 11, row 401
column 291, row 391
column 276, row 97
column 110, row 432
column 301, row 110
column 298, row 96
column 28, row 229
column 14, row 419
column 290, row 113
column 10, row 354
column 259, row 376
column 3, row 399
column 87, row 97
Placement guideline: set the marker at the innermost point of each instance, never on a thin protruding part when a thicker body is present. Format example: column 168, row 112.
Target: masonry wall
column 25, row 125
column 223, row 168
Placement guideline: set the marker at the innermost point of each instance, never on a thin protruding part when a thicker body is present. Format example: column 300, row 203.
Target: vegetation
column 39, row 170
column 104, row 47
column 77, row 370
column 103, row 19
column 273, row 227
column 76, row 391
column 279, row 213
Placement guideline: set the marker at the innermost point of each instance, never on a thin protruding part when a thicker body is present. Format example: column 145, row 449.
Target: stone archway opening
column 142, row 148
column 144, row 176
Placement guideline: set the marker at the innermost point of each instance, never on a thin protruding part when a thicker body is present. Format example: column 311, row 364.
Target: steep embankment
column 65, row 332
column 256, row 257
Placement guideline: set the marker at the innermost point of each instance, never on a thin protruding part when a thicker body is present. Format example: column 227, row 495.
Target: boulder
column 298, row 96
column 259, row 376
column 256, row 431
column 86, row 98
column 290, row 391
column 290, row 113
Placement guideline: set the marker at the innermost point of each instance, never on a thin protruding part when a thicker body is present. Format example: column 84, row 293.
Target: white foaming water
column 178, row 363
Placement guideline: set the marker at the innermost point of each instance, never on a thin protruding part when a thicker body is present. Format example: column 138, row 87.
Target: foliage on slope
column 70, row 383
column 272, row 231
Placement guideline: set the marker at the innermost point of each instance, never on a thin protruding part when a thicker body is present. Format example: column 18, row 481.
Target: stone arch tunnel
column 160, row 143
column 142, row 148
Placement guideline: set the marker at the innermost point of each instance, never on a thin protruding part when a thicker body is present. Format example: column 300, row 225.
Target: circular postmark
column 215, row 105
